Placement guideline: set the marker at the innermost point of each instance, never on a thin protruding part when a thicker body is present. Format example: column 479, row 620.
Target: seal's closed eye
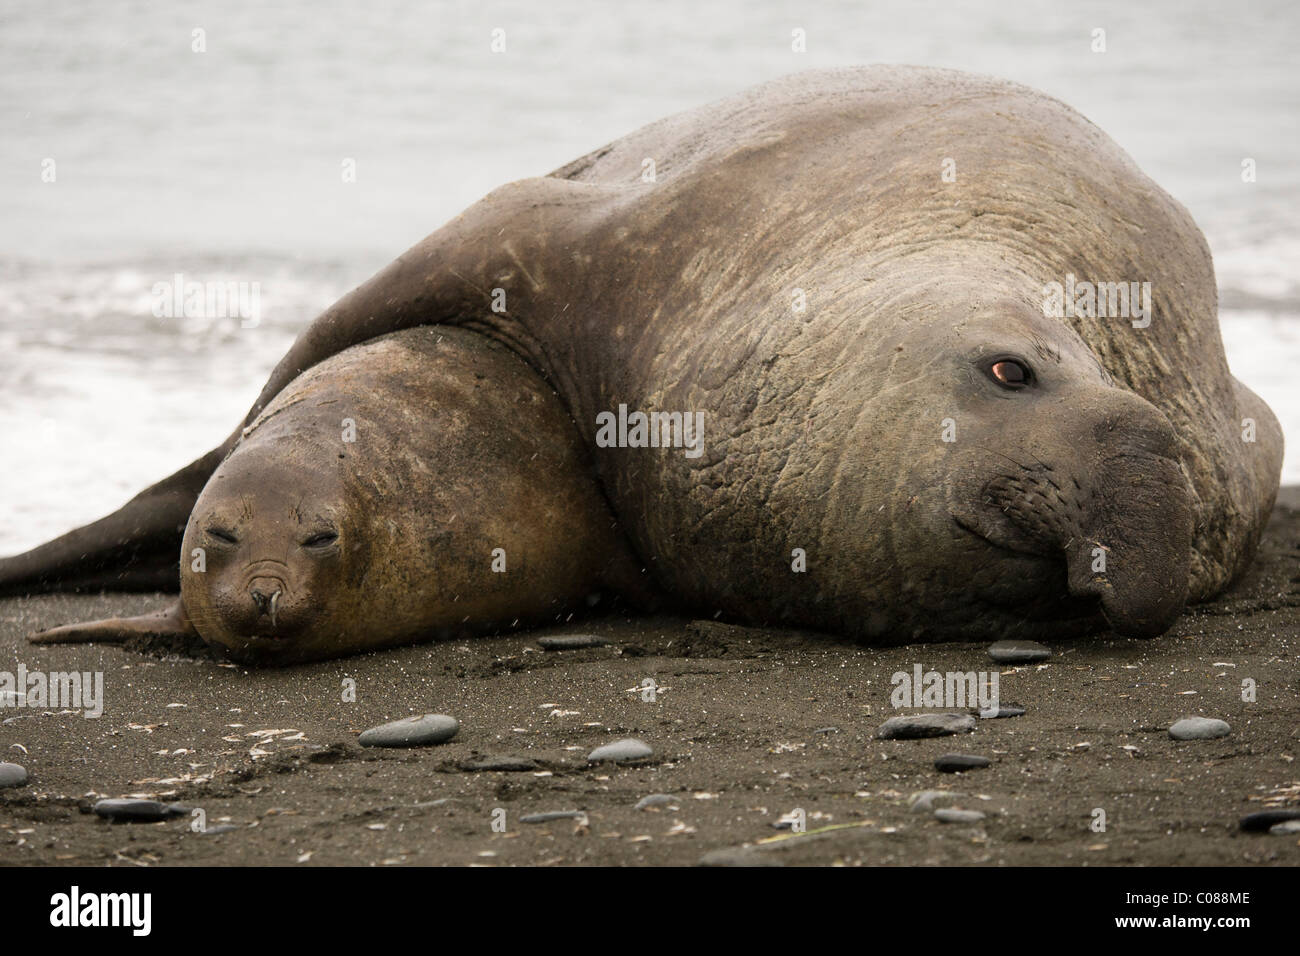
column 322, row 540
column 222, row 535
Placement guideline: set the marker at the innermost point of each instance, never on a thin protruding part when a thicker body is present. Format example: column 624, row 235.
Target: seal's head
column 1066, row 496
column 999, row 482
column 266, row 557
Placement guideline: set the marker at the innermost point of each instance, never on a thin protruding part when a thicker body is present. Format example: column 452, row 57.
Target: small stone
column 411, row 732
column 620, row 750
column 949, row 815
column 1006, row 710
column 654, row 800
column 12, row 775
column 1267, row 819
column 959, row 763
column 1199, row 728
column 551, row 816
column 223, row 828
column 505, row 764
column 925, row 725
column 138, row 811
column 827, row 730
column 1018, row 652
column 571, row 642
column 1285, row 828
column 923, row 802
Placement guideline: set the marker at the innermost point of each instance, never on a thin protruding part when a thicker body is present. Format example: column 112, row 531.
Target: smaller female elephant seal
column 410, row 487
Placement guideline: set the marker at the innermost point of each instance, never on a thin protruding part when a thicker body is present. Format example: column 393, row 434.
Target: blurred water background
column 225, row 165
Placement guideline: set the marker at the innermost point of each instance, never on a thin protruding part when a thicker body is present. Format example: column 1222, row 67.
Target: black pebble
column 1259, row 822
column 956, row 763
column 138, row 811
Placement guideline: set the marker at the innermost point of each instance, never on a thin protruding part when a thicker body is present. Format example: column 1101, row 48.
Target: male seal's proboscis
column 845, row 271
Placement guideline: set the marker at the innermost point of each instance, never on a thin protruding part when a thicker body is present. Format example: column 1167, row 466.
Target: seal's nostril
column 262, row 600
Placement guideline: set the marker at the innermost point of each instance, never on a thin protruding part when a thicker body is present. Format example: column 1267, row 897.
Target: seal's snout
column 1135, row 554
column 1134, row 550
column 265, row 594
column 1107, row 492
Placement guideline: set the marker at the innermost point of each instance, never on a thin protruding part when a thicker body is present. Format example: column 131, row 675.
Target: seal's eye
column 1010, row 373
column 322, row 540
column 224, row 536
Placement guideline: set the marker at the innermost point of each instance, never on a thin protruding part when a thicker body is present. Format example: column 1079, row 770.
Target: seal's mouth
column 1057, row 602
column 1126, row 545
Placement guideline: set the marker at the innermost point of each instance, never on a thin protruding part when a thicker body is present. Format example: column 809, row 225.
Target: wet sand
column 741, row 726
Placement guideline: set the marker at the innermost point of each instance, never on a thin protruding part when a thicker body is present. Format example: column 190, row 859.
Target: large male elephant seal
column 421, row 484
column 845, row 273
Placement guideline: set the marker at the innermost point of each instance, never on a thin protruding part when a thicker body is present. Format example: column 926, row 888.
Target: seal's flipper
column 136, row 548
column 170, row 622
column 453, row 276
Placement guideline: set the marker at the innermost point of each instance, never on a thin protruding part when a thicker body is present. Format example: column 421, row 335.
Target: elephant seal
column 415, row 486
column 846, row 274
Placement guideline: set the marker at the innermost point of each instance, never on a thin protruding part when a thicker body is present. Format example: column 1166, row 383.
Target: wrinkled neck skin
column 930, row 502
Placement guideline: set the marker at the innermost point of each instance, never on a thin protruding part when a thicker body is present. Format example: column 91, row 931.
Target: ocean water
column 225, row 165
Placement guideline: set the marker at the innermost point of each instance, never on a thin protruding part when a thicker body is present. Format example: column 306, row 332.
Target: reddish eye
column 1010, row 373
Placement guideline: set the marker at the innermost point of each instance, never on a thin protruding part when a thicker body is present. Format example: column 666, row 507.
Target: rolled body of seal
column 422, row 484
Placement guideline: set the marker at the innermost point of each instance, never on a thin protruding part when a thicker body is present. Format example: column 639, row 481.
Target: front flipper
column 171, row 624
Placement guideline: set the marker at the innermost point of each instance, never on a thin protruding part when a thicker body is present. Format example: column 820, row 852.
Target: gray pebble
column 571, row 642
column 1006, row 710
column 506, row 764
column 12, row 775
column 827, row 730
column 1199, row 728
column 552, row 815
column 411, row 732
column 948, row 815
column 738, row 856
column 223, row 828
column 1018, row 652
column 923, row 802
column 654, row 800
column 138, row 811
column 629, row 749
column 958, row 763
column 925, row 725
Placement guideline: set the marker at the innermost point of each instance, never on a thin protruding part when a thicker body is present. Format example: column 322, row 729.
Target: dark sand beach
column 746, row 725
